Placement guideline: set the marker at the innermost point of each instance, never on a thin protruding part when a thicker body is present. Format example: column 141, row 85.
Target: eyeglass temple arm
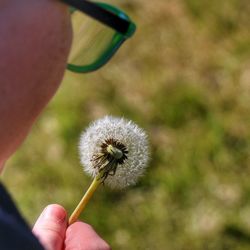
column 100, row 14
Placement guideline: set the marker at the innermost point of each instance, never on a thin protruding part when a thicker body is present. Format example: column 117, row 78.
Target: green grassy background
column 184, row 78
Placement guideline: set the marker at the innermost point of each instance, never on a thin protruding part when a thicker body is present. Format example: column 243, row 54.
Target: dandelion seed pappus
column 115, row 151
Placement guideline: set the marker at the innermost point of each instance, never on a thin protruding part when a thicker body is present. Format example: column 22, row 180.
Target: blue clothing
column 15, row 234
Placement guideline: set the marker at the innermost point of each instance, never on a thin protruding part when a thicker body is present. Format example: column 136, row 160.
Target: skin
column 37, row 39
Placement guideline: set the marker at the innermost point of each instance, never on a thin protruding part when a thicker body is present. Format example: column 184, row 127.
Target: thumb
column 51, row 226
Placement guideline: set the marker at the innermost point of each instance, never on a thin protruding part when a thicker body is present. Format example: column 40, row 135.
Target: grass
column 184, row 78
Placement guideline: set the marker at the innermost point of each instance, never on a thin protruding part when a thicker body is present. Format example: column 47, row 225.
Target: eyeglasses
column 96, row 39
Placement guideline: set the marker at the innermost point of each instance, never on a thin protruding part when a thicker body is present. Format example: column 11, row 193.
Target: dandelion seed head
column 116, row 146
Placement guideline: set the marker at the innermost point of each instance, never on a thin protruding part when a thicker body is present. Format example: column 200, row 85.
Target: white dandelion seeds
column 117, row 148
column 115, row 152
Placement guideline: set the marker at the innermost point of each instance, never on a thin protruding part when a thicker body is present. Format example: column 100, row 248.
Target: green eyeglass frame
column 117, row 40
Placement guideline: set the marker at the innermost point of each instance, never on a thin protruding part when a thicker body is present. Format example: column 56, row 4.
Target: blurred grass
column 185, row 78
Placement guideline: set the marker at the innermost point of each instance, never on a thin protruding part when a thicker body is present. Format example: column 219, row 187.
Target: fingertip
column 82, row 227
column 55, row 212
column 80, row 233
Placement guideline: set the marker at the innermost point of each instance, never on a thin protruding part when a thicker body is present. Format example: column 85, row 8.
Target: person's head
column 34, row 46
column 36, row 37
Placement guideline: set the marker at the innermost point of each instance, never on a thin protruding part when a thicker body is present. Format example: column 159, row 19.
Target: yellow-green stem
column 85, row 199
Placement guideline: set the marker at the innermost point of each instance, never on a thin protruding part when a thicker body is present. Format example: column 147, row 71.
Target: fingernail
column 55, row 213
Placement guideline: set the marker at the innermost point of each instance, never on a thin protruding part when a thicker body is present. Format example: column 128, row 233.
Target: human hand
column 53, row 232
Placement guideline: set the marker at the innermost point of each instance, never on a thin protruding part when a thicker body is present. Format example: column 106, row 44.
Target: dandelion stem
column 85, row 199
